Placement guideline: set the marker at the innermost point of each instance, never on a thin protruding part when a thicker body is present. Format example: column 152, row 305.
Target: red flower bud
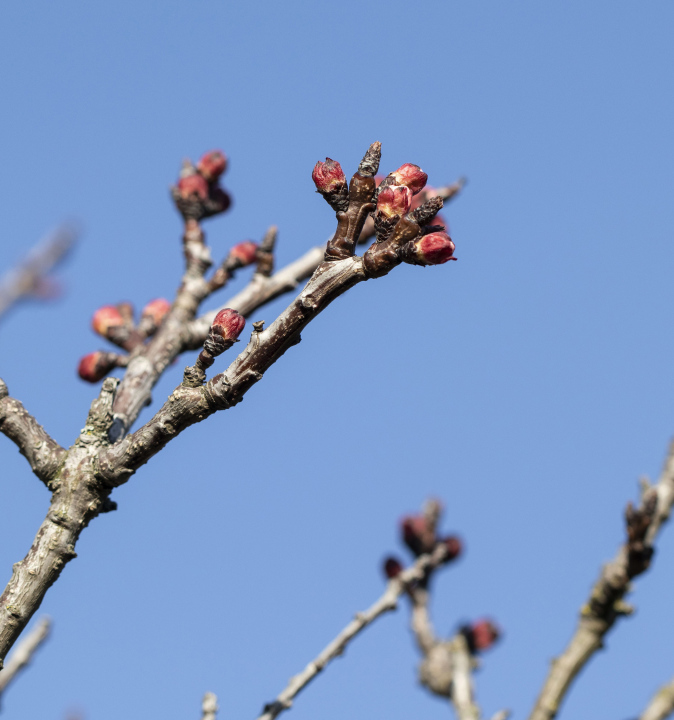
column 105, row 318
column 228, row 324
column 392, row 567
column 435, row 248
column 219, row 201
column 394, row 200
column 454, row 547
column 411, row 176
column 94, row 366
column 245, row 252
column 484, row 634
column 191, row 185
column 328, row 176
column 417, row 535
column 156, row 310
column 212, row 165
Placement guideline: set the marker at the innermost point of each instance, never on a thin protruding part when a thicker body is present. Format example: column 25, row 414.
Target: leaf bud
column 392, row 567
column 328, row 176
column 411, row 176
column 435, row 248
column 156, row 310
column 228, row 324
column 212, row 165
column 106, row 318
column 244, row 252
column 394, row 200
column 95, row 366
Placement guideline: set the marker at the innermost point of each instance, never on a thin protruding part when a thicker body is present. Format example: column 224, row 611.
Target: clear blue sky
column 529, row 384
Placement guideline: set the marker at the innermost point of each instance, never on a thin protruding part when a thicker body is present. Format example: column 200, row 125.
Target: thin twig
column 661, row 705
column 24, row 652
column 209, row 707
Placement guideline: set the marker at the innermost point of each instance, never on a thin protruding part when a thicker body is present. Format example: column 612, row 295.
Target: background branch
column 24, row 652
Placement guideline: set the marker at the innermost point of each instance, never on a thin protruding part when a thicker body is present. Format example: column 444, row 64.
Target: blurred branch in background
column 30, row 279
column 24, row 653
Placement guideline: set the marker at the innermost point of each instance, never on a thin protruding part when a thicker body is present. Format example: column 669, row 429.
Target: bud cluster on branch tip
column 95, row 366
column 417, row 535
column 156, row 310
column 197, row 194
column 392, row 567
column 411, row 176
column 481, row 635
column 244, row 253
column 228, row 324
column 331, row 183
column 105, row 319
column 435, row 248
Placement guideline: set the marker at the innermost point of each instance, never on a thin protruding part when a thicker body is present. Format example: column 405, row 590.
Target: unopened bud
column 392, row 567
column 245, row 252
column 328, row 176
column 228, row 324
column 484, row 634
column 453, row 546
column 411, row 176
column 105, row 318
column 156, row 310
column 193, row 185
column 416, row 534
column 219, row 201
column 435, row 248
column 95, row 366
column 394, row 200
column 212, row 165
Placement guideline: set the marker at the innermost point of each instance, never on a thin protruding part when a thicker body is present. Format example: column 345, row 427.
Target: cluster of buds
column 116, row 324
column 480, row 635
column 197, row 194
column 224, row 332
column 394, row 197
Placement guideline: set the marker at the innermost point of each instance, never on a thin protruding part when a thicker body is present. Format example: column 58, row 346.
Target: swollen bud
column 106, row 318
column 212, row 165
column 328, row 176
column 156, row 310
column 193, row 186
column 481, row 635
column 394, row 200
column 392, row 567
column 411, row 176
column 95, row 366
column 228, row 324
column 244, row 252
column 435, row 248
column 417, row 535
column 453, row 546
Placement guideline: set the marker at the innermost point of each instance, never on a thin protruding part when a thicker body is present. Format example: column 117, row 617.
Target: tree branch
column 209, row 707
column 43, row 453
column 661, row 705
column 605, row 604
column 24, row 652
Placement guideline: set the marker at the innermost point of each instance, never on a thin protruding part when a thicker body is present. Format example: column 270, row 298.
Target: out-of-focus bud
column 484, row 634
column 454, row 547
column 95, row 366
column 394, row 200
column 228, row 324
column 212, row 165
column 392, row 567
column 219, row 201
column 193, row 185
column 416, row 534
column 105, row 318
column 328, row 176
column 245, row 252
column 435, row 248
column 411, row 176
column 156, row 310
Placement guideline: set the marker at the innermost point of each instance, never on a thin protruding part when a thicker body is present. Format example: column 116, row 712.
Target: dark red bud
column 433, row 249
column 220, row 200
column 156, row 310
column 212, row 165
column 392, row 567
column 94, row 366
column 416, row 534
column 245, row 252
column 328, row 176
column 228, row 324
column 454, row 547
column 105, row 318
column 394, row 200
column 192, row 185
column 411, row 176
column 484, row 634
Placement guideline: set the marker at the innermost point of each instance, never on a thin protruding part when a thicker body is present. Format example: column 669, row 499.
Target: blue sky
column 529, row 384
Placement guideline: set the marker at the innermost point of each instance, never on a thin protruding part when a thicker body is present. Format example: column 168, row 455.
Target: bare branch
column 606, row 604
column 24, row 652
column 27, row 280
column 43, row 453
column 661, row 705
column 387, row 602
column 209, row 707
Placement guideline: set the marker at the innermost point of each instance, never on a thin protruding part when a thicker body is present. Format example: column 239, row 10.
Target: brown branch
column 43, row 454
column 24, row 652
column 25, row 280
column 387, row 602
column 606, row 604
column 209, row 707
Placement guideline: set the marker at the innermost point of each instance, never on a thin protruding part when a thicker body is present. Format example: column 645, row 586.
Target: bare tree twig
column 25, row 280
column 387, row 602
column 606, row 604
column 661, row 705
column 209, row 707
column 24, row 652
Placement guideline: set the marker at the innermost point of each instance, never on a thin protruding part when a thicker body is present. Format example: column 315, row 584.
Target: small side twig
column 209, row 707
column 24, row 652
column 661, row 705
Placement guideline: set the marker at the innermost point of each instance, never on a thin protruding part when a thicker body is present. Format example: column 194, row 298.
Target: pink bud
column 105, row 318
column 94, row 366
column 245, row 252
column 392, row 567
column 418, row 537
column 212, row 165
column 454, row 547
column 191, row 185
column 485, row 633
column 394, row 200
column 433, row 249
column 156, row 310
column 411, row 176
column 328, row 176
column 228, row 324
